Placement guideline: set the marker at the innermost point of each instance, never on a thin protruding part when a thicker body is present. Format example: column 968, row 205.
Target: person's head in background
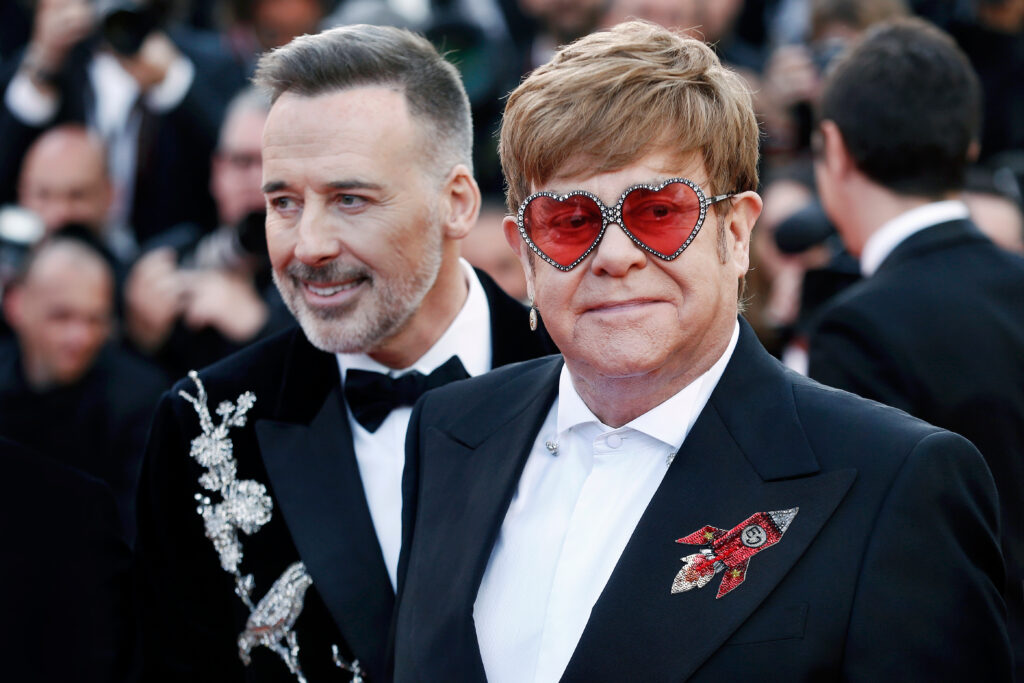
column 237, row 174
column 485, row 247
column 64, row 179
column 566, row 20
column 61, row 310
column 900, row 118
column 276, row 22
column 707, row 20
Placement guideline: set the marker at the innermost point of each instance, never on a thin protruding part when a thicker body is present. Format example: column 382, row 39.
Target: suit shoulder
column 258, row 365
column 836, row 421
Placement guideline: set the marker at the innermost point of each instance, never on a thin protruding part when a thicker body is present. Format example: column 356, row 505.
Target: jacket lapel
column 746, row 454
column 312, row 469
column 481, row 459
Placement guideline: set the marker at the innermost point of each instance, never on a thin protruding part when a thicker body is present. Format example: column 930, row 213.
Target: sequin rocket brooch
column 730, row 551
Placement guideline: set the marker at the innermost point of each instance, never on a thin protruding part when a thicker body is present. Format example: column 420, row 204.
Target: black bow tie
column 372, row 395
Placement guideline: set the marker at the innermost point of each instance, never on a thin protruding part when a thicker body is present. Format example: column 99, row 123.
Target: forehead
column 68, row 276
column 366, row 128
column 67, row 159
column 652, row 167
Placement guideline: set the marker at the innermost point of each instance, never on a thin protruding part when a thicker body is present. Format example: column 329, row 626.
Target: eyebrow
column 275, row 185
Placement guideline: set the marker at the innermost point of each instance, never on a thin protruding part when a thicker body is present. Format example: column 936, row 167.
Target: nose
column 616, row 254
column 317, row 241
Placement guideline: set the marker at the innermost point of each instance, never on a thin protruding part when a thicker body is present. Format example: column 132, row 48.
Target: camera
column 125, row 24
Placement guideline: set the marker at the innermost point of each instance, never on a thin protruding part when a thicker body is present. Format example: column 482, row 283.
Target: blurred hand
column 155, row 297
column 226, row 302
column 59, row 25
column 150, row 64
column 791, row 76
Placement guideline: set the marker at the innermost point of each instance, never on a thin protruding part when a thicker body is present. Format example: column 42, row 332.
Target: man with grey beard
column 369, row 188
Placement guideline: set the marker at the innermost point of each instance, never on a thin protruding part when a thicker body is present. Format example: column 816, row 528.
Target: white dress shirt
column 381, row 454
column 893, row 232
column 569, row 521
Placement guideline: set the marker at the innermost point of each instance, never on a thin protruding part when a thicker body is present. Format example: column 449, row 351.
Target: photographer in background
column 155, row 94
column 192, row 299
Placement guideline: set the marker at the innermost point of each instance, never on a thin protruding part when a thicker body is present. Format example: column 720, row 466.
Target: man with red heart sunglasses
column 545, row 503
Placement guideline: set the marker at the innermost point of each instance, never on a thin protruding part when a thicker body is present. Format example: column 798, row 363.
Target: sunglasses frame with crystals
column 611, row 215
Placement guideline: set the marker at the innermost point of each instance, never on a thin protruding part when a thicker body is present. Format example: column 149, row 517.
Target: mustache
column 332, row 272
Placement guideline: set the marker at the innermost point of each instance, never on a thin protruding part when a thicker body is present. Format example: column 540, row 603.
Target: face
column 568, row 19
column 61, row 315
column 64, row 181
column 352, row 216
column 278, row 21
column 623, row 312
column 237, row 170
column 667, row 13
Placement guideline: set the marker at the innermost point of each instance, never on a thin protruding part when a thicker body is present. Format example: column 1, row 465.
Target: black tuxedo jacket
column 298, row 443
column 939, row 332
column 889, row 571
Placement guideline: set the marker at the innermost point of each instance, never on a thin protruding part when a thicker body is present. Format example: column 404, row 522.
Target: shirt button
column 613, row 440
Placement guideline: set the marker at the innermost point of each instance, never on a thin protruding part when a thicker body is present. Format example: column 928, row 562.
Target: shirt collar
column 468, row 337
column 669, row 422
column 892, row 233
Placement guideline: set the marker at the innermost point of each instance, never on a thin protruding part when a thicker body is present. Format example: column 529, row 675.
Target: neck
column 617, row 400
column 435, row 315
column 874, row 207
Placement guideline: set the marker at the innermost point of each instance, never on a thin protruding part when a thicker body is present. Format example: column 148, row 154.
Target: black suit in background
column 98, row 424
column 890, row 570
column 297, row 442
column 938, row 331
column 176, row 175
column 65, row 575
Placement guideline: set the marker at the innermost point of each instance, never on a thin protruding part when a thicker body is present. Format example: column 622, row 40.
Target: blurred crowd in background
column 131, row 228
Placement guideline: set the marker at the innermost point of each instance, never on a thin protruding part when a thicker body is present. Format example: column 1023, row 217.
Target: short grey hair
column 364, row 55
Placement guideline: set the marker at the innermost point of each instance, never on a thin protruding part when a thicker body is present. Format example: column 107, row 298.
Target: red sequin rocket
column 730, row 551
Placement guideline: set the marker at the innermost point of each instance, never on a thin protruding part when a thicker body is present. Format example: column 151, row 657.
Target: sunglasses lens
column 563, row 230
column 662, row 219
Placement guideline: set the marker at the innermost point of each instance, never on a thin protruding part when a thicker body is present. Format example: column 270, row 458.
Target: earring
column 533, row 318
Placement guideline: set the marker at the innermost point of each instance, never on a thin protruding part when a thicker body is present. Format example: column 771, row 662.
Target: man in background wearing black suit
column 369, row 188
column 65, row 579
column 155, row 93
column 670, row 503
column 936, row 328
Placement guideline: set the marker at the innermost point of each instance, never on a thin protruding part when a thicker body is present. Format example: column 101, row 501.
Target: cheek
column 280, row 245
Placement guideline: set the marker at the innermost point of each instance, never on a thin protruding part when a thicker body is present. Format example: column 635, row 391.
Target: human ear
column 461, row 196
column 746, row 207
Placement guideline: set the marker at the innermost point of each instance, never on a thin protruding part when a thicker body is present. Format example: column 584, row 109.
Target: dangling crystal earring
column 533, row 318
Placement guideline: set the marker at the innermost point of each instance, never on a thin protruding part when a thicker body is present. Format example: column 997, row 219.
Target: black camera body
column 125, row 25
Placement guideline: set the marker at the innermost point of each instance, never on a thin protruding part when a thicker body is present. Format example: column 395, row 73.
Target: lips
column 615, row 306
column 330, row 292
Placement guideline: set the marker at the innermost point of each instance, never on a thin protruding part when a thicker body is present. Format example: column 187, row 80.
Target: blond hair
column 609, row 98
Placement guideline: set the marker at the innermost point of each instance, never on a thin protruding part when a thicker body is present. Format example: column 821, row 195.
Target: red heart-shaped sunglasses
column 662, row 219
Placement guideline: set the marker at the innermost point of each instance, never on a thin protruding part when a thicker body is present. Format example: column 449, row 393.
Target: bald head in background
column 64, row 179
column 61, row 312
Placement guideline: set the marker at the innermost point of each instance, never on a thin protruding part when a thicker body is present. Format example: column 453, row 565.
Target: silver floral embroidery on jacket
column 246, row 507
